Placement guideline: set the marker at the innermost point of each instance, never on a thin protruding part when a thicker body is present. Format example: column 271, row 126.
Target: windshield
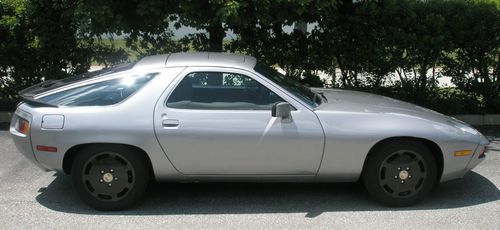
column 292, row 86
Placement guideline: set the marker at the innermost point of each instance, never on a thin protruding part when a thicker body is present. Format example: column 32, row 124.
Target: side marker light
column 462, row 153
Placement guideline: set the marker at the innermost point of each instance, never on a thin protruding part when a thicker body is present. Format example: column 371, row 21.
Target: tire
column 110, row 177
column 400, row 173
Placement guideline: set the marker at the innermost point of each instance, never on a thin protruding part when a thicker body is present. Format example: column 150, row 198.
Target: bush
column 312, row 80
column 7, row 105
column 39, row 42
column 449, row 101
column 365, row 41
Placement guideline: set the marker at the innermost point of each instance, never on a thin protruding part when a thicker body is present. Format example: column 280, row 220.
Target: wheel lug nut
column 102, row 172
column 407, row 169
column 402, row 182
column 111, row 170
column 116, row 178
column 409, row 177
column 399, row 169
column 101, row 180
column 109, row 185
column 395, row 177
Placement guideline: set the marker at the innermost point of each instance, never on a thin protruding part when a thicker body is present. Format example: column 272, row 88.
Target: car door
column 217, row 121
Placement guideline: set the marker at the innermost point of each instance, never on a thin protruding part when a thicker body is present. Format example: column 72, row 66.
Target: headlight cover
column 463, row 127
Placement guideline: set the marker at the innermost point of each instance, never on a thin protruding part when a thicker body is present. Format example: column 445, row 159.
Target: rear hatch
column 29, row 94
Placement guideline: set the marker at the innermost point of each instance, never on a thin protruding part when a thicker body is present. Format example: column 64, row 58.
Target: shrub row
column 361, row 44
column 365, row 45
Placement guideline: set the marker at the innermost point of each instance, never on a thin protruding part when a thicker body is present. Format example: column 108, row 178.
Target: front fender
column 351, row 135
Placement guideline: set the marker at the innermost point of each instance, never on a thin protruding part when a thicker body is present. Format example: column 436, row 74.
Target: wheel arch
column 72, row 152
column 435, row 149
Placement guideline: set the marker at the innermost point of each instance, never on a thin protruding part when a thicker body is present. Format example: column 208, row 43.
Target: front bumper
column 479, row 154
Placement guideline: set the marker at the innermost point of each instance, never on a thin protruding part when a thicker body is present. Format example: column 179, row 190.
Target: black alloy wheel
column 400, row 173
column 110, row 177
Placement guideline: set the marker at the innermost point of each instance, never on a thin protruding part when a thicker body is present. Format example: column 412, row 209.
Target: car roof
column 197, row 59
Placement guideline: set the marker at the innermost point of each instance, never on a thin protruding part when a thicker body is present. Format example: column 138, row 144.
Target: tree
column 18, row 64
column 366, row 40
column 60, row 49
column 39, row 42
column 260, row 33
column 143, row 24
column 209, row 16
column 474, row 64
column 359, row 38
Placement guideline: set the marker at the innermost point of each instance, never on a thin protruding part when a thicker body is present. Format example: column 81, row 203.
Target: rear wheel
column 400, row 173
column 110, row 177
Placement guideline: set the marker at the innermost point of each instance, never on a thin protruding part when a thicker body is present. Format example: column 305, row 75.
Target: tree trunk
column 300, row 26
column 217, row 34
column 421, row 92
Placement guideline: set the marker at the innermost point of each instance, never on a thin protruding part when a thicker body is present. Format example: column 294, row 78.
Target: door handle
column 170, row 123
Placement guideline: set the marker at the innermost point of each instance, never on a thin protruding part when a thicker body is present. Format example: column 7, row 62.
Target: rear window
column 102, row 93
column 54, row 84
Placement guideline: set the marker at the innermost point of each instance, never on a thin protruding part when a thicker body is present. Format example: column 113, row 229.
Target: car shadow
column 255, row 198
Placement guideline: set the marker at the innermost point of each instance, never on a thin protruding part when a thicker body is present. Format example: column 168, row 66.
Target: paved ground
column 30, row 198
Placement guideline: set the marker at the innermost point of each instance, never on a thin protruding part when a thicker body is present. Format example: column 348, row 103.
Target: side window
column 221, row 91
column 102, row 93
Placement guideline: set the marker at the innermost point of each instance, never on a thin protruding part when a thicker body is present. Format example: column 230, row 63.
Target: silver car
column 188, row 117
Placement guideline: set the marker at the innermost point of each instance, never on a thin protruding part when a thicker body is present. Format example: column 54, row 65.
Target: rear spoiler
column 35, row 103
column 28, row 95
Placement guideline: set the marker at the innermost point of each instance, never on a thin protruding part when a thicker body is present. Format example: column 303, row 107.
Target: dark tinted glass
column 221, row 91
column 98, row 94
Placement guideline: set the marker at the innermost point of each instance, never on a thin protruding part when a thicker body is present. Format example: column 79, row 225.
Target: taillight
column 22, row 125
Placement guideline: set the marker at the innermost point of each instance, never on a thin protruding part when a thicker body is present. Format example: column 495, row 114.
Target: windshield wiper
column 324, row 97
column 319, row 97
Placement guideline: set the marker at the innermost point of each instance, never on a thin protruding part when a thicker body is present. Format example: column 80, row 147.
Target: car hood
column 361, row 102
column 347, row 101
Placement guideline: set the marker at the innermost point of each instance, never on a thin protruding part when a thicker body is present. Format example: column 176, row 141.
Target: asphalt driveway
column 30, row 198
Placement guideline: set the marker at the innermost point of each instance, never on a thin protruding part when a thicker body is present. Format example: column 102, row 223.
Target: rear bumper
column 22, row 141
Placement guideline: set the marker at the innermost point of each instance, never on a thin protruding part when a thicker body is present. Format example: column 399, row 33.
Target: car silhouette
column 189, row 117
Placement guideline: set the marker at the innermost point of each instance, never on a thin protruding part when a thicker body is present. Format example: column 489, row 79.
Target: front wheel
column 400, row 173
column 110, row 177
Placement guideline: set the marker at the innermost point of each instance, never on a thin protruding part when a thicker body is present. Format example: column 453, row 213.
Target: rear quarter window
column 101, row 93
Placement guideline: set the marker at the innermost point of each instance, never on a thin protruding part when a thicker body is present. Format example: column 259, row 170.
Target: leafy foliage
column 474, row 64
column 38, row 42
column 398, row 48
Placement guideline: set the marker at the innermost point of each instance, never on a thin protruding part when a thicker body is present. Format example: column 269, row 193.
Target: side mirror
column 282, row 110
